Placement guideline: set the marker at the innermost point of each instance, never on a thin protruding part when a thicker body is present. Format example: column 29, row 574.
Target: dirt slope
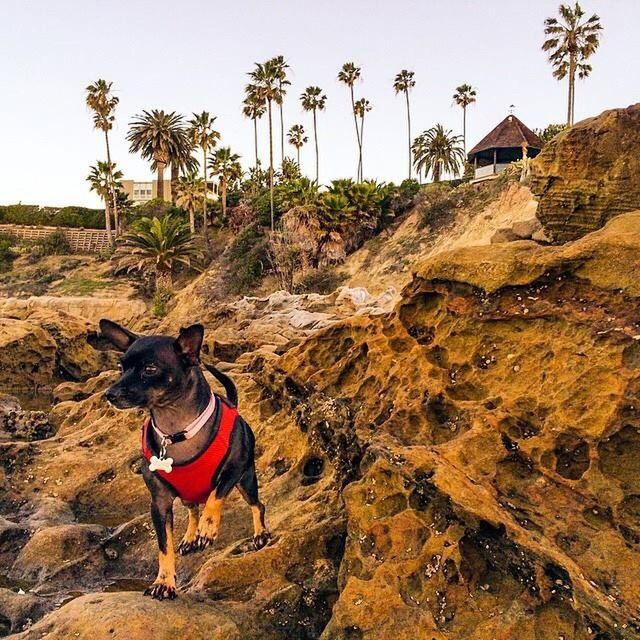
column 388, row 261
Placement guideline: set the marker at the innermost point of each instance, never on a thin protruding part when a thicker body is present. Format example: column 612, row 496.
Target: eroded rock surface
column 499, row 416
column 40, row 348
column 464, row 465
column 588, row 174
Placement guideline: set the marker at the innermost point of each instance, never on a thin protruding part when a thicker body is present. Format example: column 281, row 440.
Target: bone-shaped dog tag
column 161, row 464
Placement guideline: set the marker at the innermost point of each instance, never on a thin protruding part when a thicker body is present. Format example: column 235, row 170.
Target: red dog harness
column 193, row 480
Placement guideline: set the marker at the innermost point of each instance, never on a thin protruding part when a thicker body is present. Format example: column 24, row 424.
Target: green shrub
column 246, row 259
column 55, row 244
column 439, row 203
column 323, row 281
column 7, row 256
column 33, row 215
column 156, row 208
column 161, row 299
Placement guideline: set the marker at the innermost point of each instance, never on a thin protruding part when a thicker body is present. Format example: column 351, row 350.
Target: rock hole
column 312, row 471
column 572, row 456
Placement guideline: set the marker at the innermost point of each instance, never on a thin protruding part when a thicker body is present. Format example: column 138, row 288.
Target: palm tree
column 297, row 139
column 416, row 149
column 314, row 100
column 280, row 65
column 226, row 166
column 203, row 135
column 359, row 109
column 464, row 96
column 348, row 75
column 570, row 42
column 104, row 179
column 157, row 245
column 103, row 105
column 438, row 150
column 159, row 137
column 266, row 85
column 254, row 108
column 403, row 83
column 189, row 194
column 182, row 163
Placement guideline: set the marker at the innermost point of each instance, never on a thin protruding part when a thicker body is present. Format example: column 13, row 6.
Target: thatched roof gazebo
column 506, row 143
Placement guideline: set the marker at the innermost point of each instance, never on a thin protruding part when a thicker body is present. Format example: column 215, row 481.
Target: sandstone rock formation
column 124, row 310
column 40, row 348
column 588, row 174
column 465, row 466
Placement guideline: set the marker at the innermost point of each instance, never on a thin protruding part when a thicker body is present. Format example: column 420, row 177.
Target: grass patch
column 83, row 286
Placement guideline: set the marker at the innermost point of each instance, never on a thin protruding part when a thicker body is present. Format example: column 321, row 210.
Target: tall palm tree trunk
column 464, row 129
column 175, row 174
column 223, row 190
column 361, row 145
column 107, row 219
column 355, row 121
column 315, row 137
column 436, row 171
column 298, row 156
column 160, row 181
column 192, row 220
column 281, row 132
column 572, row 80
column 255, row 138
column 406, row 93
column 271, row 166
column 164, row 281
column 205, row 224
column 112, row 191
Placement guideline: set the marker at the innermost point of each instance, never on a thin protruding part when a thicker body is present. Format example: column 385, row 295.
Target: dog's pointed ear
column 118, row 336
column 189, row 342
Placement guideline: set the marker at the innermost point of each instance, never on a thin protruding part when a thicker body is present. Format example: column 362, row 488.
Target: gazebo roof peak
column 510, row 133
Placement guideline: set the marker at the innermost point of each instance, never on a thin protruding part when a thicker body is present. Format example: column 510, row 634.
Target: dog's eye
column 120, row 367
column 150, row 370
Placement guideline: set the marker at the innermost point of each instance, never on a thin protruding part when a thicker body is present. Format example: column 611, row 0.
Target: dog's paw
column 188, row 546
column 161, row 591
column 207, row 533
column 203, row 541
column 261, row 540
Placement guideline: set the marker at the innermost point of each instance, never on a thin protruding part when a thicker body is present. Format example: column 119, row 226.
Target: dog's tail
column 226, row 382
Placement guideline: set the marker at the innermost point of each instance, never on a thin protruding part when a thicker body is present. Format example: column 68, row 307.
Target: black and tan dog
column 195, row 444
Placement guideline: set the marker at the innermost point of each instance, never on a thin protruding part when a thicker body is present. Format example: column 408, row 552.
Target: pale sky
column 193, row 55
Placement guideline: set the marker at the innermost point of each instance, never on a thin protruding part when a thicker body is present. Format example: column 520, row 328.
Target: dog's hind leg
column 162, row 516
column 248, row 488
column 188, row 542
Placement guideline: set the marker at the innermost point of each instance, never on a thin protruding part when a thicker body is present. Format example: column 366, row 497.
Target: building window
column 142, row 191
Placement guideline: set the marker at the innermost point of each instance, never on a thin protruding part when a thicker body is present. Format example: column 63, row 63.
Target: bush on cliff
column 33, row 215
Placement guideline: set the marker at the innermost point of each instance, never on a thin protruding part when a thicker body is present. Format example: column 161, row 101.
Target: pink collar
column 190, row 430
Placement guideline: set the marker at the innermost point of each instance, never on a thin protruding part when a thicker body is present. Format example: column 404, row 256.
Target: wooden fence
column 80, row 240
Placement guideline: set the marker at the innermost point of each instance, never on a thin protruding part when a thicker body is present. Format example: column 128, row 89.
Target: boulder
column 130, row 615
column 504, row 235
column 38, row 349
column 525, row 229
column 27, row 356
column 588, row 174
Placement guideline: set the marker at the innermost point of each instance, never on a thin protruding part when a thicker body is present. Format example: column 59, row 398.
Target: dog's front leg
column 209, row 521
column 162, row 516
column 188, row 542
